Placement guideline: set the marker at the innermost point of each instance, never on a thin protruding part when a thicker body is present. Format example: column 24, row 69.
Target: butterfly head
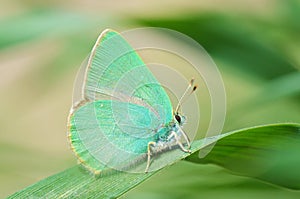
column 179, row 119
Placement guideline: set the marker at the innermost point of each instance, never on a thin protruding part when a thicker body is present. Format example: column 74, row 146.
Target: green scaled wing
column 123, row 107
column 115, row 71
column 98, row 140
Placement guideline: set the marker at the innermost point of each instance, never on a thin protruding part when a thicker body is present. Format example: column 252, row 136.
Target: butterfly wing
column 100, row 141
column 115, row 71
column 122, row 108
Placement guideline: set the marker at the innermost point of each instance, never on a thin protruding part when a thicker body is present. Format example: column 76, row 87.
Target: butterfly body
column 163, row 140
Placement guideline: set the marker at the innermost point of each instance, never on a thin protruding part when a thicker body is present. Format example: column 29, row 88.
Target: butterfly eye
column 178, row 118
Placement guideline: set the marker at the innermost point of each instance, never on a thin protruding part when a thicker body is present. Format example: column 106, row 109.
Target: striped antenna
column 185, row 95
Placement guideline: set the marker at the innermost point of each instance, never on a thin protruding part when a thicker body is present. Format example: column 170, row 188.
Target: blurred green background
column 255, row 44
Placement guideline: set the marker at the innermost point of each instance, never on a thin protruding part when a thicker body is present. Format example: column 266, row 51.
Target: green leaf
column 38, row 23
column 284, row 86
column 77, row 182
column 223, row 36
column 269, row 153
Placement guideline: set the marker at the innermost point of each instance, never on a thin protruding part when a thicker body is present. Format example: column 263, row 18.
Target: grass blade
column 269, row 153
column 235, row 150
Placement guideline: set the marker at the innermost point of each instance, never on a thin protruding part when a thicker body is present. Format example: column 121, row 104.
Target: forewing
column 115, row 71
column 100, row 141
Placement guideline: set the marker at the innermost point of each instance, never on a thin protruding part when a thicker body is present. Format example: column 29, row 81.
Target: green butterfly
column 125, row 116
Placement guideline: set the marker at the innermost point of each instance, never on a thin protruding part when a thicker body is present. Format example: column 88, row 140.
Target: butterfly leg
column 177, row 139
column 149, row 155
column 186, row 138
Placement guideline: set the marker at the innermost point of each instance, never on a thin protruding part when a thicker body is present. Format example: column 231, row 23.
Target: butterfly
column 124, row 114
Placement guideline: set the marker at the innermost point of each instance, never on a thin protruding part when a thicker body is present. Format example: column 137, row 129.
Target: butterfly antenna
column 181, row 100
column 187, row 97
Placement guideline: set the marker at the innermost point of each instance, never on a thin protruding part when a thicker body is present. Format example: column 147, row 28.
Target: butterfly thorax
column 164, row 139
